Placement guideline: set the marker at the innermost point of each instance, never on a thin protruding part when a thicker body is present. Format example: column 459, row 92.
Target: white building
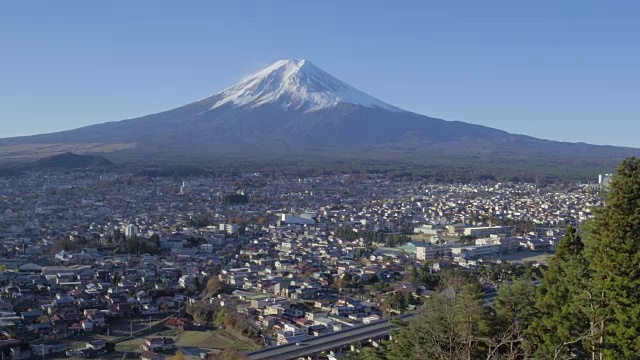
column 229, row 228
column 507, row 244
column 604, row 179
column 187, row 280
column 130, row 230
column 295, row 330
column 428, row 252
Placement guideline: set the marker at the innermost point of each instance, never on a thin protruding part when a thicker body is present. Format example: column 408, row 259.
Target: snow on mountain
column 296, row 85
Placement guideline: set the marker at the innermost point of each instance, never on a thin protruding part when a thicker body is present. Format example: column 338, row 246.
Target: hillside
column 69, row 161
column 293, row 110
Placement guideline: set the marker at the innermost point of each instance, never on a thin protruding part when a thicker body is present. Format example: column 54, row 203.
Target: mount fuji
column 294, row 107
column 296, row 85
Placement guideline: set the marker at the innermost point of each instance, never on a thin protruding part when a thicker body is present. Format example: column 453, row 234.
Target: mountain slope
column 293, row 107
column 69, row 161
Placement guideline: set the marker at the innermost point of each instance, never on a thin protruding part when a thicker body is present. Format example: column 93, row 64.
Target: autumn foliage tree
column 213, row 285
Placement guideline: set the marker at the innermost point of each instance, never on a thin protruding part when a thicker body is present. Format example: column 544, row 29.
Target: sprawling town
column 112, row 264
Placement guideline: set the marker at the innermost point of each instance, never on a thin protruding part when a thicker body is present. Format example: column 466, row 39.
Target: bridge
column 336, row 342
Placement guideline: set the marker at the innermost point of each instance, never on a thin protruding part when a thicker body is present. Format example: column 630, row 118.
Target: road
column 336, row 339
column 324, row 342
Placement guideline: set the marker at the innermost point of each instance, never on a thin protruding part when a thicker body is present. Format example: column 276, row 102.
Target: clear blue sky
column 565, row 70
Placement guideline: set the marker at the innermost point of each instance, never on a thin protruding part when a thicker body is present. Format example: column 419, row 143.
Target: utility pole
column 131, row 329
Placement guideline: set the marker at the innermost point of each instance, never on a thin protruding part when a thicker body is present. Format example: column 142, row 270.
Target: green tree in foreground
column 587, row 307
column 450, row 326
column 561, row 326
column 513, row 313
column 589, row 303
column 613, row 245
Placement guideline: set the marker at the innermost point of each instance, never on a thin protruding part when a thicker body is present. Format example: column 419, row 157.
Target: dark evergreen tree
column 513, row 309
column 614, row 249
column 561, row 317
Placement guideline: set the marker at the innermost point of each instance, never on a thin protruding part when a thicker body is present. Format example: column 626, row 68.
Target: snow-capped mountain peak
column 296, row 85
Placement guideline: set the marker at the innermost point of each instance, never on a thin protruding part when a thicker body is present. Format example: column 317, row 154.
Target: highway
column 325, row 342
column 334, row 340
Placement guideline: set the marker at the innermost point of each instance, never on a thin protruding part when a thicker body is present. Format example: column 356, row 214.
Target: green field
column 212, row 340
column 130, row 345
column 219, row 339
